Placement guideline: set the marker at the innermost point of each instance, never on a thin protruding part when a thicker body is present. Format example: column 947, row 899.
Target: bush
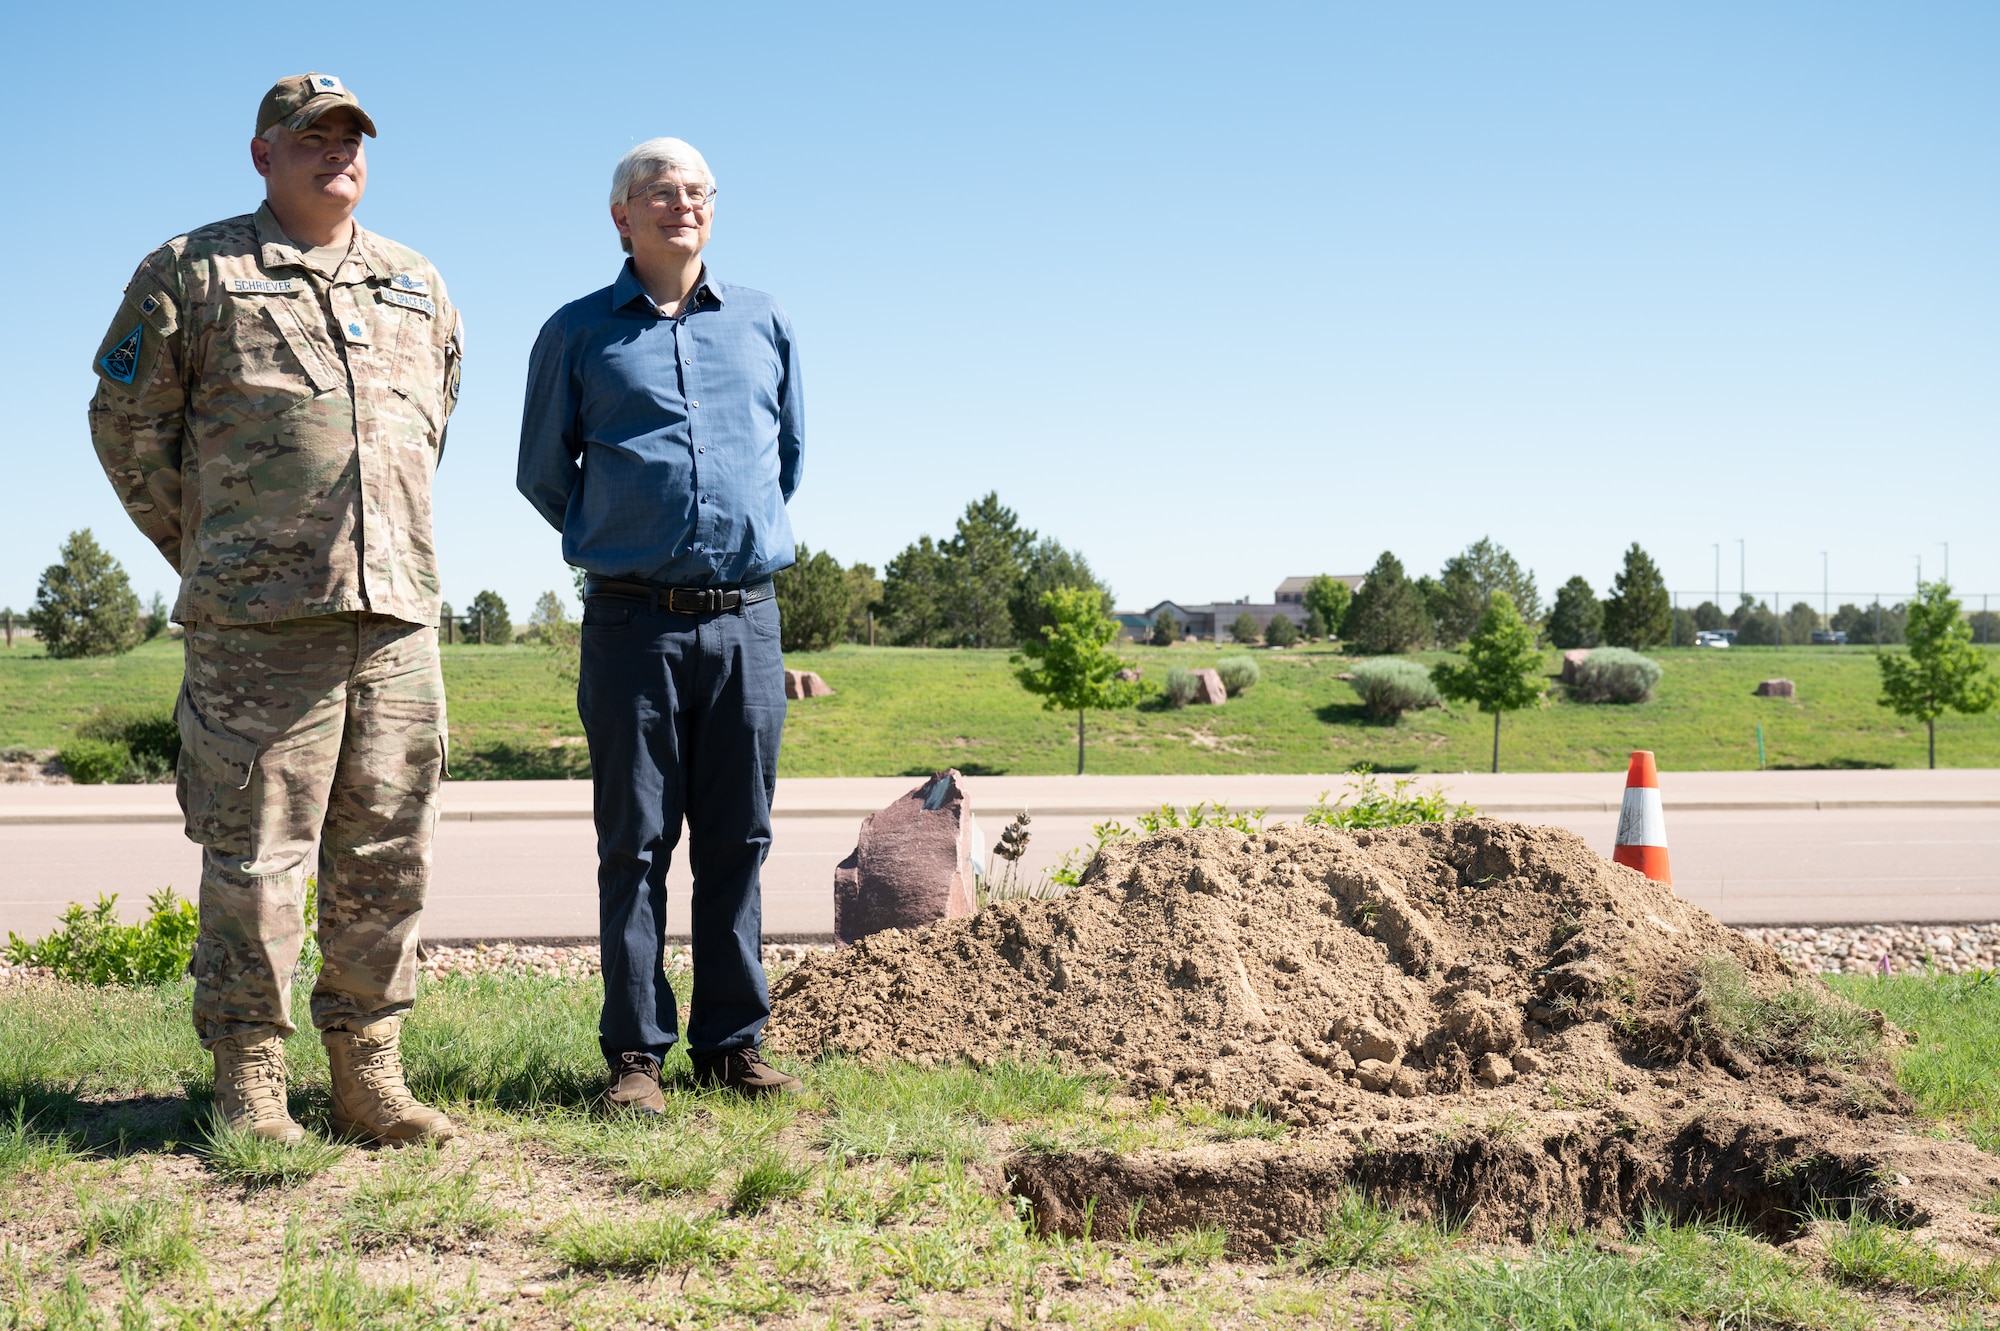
column 92, row 947
column 1613, row 674
column 95, row 762
column 1281, row 632
column 151, row 736
column 1368, row 805
column 1390, row 686
column 1238, row 673
column 1180, row 686
column 1244, row 630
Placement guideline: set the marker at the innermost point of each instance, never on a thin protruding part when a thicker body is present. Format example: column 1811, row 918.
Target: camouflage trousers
column 327, row 731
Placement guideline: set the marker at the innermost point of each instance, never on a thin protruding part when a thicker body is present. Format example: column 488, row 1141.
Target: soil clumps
column 1477, row 1020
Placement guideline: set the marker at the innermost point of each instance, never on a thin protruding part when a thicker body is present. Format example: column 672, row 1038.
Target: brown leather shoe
column 746, row 1071
column 635, row 1084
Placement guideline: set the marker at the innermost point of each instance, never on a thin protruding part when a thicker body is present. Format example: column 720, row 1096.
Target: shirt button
column 701, row 450
column 688, row 361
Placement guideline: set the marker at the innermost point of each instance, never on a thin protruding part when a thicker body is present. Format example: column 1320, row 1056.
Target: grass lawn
column 905, row 711
column 869, row 1199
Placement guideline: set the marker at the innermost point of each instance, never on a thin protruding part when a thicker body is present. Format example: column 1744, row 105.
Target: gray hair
column 650, row 159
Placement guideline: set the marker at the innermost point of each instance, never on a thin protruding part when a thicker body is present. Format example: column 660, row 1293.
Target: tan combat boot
column 250, row 1085
column 370, row 1101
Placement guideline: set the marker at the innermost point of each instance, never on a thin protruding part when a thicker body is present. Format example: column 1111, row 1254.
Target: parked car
column 1715, row 638
column 1829, row 638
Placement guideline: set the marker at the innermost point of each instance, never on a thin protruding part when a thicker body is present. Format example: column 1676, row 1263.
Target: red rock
column 1208, row 688
column 806, row 684
column 913, row 864
column 1777, row 688
column 1573, row 658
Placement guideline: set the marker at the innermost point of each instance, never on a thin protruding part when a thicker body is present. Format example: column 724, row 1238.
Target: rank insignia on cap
column 122, row 361
column 326, row 83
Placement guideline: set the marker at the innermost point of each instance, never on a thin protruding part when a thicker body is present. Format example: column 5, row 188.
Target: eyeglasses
column 667, row 193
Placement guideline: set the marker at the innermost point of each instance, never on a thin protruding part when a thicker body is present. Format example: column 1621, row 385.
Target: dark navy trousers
column 683, row 714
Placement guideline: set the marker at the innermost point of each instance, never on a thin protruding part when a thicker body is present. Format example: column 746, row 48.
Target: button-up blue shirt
column 666, row 448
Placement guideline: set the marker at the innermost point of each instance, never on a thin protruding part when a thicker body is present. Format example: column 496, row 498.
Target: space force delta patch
column 122, row 361
column 263, row 286
column 410, row 302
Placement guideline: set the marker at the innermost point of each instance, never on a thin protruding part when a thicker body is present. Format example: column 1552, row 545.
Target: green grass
column 873, row 1190
column 901, row 710
column 258, row 1162
column 1953, row 1070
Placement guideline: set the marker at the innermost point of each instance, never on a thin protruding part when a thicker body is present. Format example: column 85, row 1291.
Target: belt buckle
column 698, row 600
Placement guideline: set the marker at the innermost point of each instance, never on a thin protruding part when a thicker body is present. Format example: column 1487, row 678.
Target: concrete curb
column 60, row 817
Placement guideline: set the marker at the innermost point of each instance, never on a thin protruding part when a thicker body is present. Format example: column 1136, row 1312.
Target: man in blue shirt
column 662, row 436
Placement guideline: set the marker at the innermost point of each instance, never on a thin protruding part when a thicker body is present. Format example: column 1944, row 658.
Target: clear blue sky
column 1216, row 294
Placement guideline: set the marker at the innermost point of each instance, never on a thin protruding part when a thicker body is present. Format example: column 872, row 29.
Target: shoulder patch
column 122, row 361
column 405, row 282
column 262, row 286
column 423, row 303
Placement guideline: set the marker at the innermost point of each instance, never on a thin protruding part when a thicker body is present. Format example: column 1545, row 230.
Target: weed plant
column 243, row 1157
column 152, row 1234
column 1359, row 1234
column 419, row 1199
column 1366, row 804
column 1861, row 1251
column 767, row 1177
column 664, row 1241
column 1799, row 1023
column 90, row 946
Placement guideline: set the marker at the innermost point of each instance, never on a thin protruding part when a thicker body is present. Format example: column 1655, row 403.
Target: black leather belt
column 682, row 600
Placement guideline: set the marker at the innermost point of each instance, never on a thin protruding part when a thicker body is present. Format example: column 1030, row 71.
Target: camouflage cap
column 297, row 101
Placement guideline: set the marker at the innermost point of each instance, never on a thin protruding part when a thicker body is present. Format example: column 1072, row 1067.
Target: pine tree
column 489, row 623
column 1166, row 629
column 913, row 595
column 812, row 601
column 1577, row 618
column 1245, row 629
column 1638, row 613
column 1281, row 631
column 1047, row 566
column 1470, row 577
column 982, row 565
column 1388, row 614
column 84, row 605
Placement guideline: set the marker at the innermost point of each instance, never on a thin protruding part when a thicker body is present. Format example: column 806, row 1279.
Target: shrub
column 1166, row 629
column 1613, row 674
column 1245, row 628
column 1390, row 686
column 92, row 947
column 1238, row 673
column 1315, row 625
column 95, row 762
column 1180, row 686
column 152, row 737
column 1281, row 632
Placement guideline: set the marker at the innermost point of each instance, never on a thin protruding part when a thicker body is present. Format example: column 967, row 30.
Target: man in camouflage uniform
column 271, row 404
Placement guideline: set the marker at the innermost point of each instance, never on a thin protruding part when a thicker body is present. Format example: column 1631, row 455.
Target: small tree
column 1708, row 617
column 490, row 625
column 1072, row 667
column 1166, row 629
column 1755, row 625
column 84, row 605
column 864, row 597
column 1329, row 596
column 157, row 617
column 1281, row 631
column 1388, row 614
column 1502, row 670
column 1315, row 625
column 1577, row 620
column 1942, row 670
column 1245, row 628
column 1639, row 613
column 812, row 601
column 913, row 594
column 1046, row 566
column 549, row 613
column 1800, row 623
column 551, row 626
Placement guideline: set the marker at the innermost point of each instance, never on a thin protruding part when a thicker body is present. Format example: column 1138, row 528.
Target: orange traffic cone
column 1642, row 829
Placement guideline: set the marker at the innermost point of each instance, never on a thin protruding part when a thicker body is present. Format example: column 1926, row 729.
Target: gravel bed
column 1886, row 949
column 1833, row 949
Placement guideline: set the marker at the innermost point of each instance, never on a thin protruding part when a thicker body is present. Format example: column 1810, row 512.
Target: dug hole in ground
column 1479, row 1022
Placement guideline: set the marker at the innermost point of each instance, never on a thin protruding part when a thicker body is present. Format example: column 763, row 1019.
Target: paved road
column 515, row 859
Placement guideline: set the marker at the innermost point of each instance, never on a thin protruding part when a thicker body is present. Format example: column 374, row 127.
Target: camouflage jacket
column 274, row 432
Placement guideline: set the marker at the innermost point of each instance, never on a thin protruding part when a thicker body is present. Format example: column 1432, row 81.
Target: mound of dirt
column 1476, row 1018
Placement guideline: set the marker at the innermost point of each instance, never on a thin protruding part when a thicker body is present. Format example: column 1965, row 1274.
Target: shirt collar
column 627, row 289
column 276, row 249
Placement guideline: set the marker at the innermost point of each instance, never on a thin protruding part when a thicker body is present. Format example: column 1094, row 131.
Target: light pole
column 1823, row 585
column 1947, row 559
column 1718, row 575
column 1742, row 574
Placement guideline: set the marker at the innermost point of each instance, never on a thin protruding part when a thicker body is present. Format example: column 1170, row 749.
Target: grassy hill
column 899, row 710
